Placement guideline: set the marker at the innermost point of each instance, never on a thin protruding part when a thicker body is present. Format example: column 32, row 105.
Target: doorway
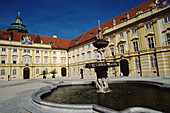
column 63, row 71
column 26, row 73
column 124, row 67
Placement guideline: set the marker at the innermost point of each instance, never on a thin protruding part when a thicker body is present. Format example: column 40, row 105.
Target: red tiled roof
column 66, row 43
column 16, row 36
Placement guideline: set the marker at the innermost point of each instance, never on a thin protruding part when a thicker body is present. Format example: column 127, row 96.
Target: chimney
column 54, row 36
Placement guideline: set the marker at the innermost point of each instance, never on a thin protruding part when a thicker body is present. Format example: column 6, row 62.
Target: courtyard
column 16, row 94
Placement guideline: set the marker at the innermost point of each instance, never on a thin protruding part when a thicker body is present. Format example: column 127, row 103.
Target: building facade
column 138, row 39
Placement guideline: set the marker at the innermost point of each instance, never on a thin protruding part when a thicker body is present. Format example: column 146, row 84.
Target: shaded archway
column 63, row 71
column 26, row 73
column 124, row 67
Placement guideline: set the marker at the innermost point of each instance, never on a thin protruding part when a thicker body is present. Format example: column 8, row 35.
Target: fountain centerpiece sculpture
column 101, row 66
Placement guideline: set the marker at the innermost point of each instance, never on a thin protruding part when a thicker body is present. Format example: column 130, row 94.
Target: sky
column 65, row 18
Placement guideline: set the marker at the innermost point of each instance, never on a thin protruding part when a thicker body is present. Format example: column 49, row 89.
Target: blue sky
column 64, row 18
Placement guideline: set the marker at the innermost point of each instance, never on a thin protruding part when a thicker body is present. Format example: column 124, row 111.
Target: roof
column 66, row 43
column 59, row 43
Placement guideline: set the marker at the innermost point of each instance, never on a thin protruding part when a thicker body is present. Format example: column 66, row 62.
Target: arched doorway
column 124, row 67
column 63, row 71
column 26, row 73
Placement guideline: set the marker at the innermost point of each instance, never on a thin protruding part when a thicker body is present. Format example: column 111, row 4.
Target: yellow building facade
column 138, row 39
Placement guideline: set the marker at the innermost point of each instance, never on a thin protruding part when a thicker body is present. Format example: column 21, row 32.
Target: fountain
column 101, row 66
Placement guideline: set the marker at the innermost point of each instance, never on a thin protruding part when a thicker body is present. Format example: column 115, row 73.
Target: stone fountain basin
column 84, row 108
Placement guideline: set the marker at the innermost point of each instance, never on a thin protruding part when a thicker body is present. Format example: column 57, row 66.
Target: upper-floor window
column 26, row 60
column 89, row 55
column 3, row 72
column 121, row 35
column 168, row 38
column 37, row 51
column 37, row 60
column 96, row 54
column 45, row 52
column 112, row 51
column 89, row 46
column 26, row 51
column 135, row 46
column 63, row 53
column 151, row 43
column 2, row 60
column 54, row 52
column 122, row 49
column 3, row 49
column 111, row 38
column 83, row 48
column 14, row 50
column 153, row 62
column 46, row 60
column 149, row 25
column 14, row 60
column 167, row 19
column 54, row 60
column 134, row 30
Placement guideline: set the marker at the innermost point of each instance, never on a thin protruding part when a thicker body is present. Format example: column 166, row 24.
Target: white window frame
column 37, row 60
column 121, row 35
column 14, row 72
column 37, row 71
column 2, row 72
column 14, row 60
column 37, row 51
column 167, row 19
column 134, row 30
column 3, row 49
column 149, row 25
column 54, row 60
column 137, row 64
column 112, row 51
column 153, row 62
column 14, row 50
column 151, row 43
column 135, row 46
column 122, row 51
column 45, row 60
column 111, row 38
column 3, row 60
column 168, row 38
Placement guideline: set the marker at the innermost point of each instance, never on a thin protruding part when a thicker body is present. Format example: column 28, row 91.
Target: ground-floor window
column 153, row 62
column 37, row 71
column 3, row 72
column 137, row 63
column 14, row 71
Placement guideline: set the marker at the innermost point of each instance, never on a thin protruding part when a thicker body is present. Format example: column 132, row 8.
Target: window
column 37, row 51
column 63, row 53
column 89, row 46
column 148, row 25
column 54, row 60
column 2, row 60
column 168, row 38
column 135, row 46
column 46, row 70
column 74, row 70
column 63, row 61
column 14, row 60
column 3, row 72
column 96, row 54
column 167, row 19
column 122, row 49
column 26, row 51
column 111, row 38
column 14, row 71
column 89, row 55
column 113, row 68
column 37, row 60
column 46, row 52
column 134, row 30
column 137, row 63
column 151, row 43
column 46, row 61
column 112, row 51
column 153, row 62
column 14, row 50
column 37, row 71
column 78, row 58
column 26, row 60
column 54, row 52
column 121, row 35
column 3, row 49
column 83, row 48
column 83, row 57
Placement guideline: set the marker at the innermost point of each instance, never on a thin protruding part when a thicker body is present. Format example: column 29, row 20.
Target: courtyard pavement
column 14, row 93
